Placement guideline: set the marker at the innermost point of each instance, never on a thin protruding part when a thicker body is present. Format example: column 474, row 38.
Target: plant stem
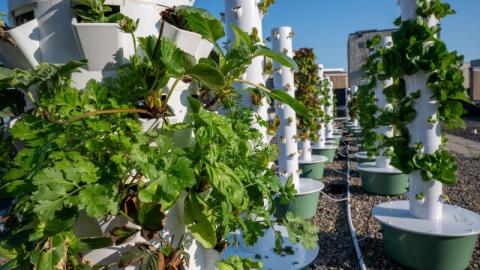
column 159, row 40
column 253, row 84
column 170, row 93
column 135, row 50
column 110, row 111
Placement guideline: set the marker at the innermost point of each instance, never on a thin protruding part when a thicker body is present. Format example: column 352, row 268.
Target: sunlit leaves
column 201, row 21
column 301, row 231
column 199, row 221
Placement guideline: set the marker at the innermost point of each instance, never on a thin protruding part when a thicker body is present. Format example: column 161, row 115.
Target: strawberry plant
column 94, row 11
column 85, row 153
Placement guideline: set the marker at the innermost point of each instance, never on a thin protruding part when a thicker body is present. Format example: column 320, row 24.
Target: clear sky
column 325, row 24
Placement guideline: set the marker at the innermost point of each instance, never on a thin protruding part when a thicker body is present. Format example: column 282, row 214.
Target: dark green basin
column 313, row 170
column 426, row 252
column 328, row 151
column 386, row 182
column 304, row 204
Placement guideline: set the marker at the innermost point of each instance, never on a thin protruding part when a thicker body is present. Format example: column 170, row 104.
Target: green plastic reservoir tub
column 327, row 151
column 426, row 252
column 305, row 202
column 313, row 168
column 447, row 243
column 382, row 181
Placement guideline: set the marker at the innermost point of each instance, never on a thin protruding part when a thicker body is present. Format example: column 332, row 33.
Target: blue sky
column 325, row 24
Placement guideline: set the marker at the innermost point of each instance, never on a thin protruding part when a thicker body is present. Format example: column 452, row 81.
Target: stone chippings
column 468, row 131
column 336, row 247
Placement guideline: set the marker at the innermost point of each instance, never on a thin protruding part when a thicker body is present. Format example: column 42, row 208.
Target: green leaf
column 8, row 253
column 237, row 263
column 122, row 234
column 207, row 75
column 225, row 266
column 143, row 254
column 284, row 97
column 151, row 216
column 241, row 38
column 226, row 181
column 198, row 222
column 6, row 74
column 175, row 60
column 195, row 104
column 71, row 67
column 52, row 255
column 301, row 231
column 199, row 20
column 278, row 57
column 97, row 242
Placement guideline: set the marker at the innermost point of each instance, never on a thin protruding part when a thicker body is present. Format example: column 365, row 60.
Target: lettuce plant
column 417, row 48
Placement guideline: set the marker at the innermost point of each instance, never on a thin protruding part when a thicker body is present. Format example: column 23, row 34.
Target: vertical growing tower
column 424, row 232
column 246, row 15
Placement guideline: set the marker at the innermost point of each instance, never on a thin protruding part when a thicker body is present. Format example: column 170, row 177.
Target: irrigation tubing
column 358, row 251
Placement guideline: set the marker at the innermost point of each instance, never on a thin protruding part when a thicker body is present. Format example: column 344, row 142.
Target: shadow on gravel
column 378, row 258
column 336, row 248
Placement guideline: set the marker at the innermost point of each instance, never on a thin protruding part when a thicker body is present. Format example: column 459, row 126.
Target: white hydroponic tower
column 322, row 132
column 286, row 138
column 424, row 221
column 380, row 177
column 248, row 17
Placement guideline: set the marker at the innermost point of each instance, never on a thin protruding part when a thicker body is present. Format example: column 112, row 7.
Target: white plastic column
column 383, row 161
column 322, row 132
column 347, row 100
column 286, row 134
column 329, row 110
column 421, row 131
column 354, row 121
column 305, row 149
column 57, row 42
column 246, row 15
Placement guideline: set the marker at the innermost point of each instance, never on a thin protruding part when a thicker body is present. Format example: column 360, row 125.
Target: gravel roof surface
column 336, row 248
column 469, row 130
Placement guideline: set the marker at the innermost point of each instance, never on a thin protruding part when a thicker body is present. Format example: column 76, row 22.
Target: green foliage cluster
column 94, row 11
column 308, row 92
column 367, row 108
column 325, row 92
column 4, row 35
column 86, row 153
column 366, row 115
column 416, row 48
column 265, row 5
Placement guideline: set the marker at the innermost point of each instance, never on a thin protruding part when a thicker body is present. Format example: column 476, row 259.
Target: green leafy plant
column 4, row 36
column 367, row 108
column 308, row 92
column 325, row 92
column 417, row 48
column 353, row 107
column 237, row 263
column 265, row 5
column 94, row 11
column 86, row 153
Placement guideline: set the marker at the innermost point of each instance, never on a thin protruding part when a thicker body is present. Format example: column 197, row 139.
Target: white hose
column 353, row 232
